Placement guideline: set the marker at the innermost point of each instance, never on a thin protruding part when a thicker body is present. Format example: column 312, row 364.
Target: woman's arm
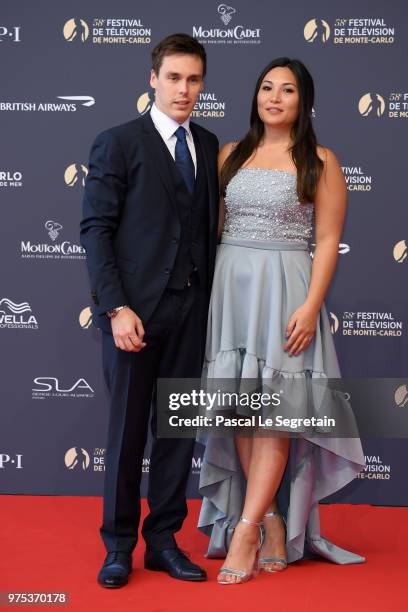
column 330, row 210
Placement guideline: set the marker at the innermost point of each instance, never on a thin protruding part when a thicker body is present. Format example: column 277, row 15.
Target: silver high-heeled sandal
column 241, row 575
column 264, row 562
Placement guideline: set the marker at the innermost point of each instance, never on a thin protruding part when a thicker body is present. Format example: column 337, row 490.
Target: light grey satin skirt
column 257, row 286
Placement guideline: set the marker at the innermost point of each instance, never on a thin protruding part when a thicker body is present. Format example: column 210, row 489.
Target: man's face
column 177, row 85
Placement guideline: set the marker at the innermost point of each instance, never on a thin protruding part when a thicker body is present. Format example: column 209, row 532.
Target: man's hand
column 128, row 332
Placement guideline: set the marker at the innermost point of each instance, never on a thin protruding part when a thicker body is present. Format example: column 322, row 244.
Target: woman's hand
column 301, row 329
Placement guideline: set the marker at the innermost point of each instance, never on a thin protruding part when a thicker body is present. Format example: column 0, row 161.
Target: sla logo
column 334, row 326
column 400, row 251
column 76, row 29
column 144, row 104
column 49, row 386
column 77, row 458
column 371, row 103
column 12, row 33
column 75, row 174
column 10, row 460
column 316, row 29
column 85, row 318
column 53, row 229
column 226, row 12
column 13, row 316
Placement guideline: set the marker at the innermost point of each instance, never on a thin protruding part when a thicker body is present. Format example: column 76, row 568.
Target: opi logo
column 11, row 461
column 12, row 33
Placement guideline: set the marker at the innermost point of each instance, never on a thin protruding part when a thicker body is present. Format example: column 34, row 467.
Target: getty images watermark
column 293, row 406
column 211, row 402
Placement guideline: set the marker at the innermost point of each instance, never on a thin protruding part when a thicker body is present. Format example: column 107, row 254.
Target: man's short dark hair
column 177, row 44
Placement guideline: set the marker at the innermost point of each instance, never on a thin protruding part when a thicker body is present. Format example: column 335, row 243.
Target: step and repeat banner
column 71, row 70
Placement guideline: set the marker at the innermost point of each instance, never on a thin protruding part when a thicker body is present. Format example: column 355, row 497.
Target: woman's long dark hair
column 303, row 150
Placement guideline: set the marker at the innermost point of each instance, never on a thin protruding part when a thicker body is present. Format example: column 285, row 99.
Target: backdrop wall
column 71, row 70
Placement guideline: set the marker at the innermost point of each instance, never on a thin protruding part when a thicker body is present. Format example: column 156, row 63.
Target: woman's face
column 278, row 98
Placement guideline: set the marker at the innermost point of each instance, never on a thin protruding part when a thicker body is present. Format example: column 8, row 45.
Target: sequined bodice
column 262, row 204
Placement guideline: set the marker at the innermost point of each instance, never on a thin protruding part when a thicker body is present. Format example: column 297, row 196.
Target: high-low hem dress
column 262, row 276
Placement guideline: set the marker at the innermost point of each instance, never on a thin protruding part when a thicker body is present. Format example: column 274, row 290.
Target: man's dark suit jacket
column 131, row 228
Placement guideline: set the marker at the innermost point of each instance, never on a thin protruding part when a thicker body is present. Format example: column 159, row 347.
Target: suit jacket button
column 167, row 271
column 175, row 240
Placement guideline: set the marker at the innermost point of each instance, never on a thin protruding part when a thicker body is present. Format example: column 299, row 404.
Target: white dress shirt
column 166, row 126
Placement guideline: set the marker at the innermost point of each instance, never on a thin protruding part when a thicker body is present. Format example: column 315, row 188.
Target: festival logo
column 334, row 322
column 144, row 103
column 85, row 318
column 316, row 30
column 16, row 316
column 10, row 178
column 350, row 31
column 77, row 458
column 400, row 251
column 357, row 179
column 238, row 34
column 378, row 324
column 401, row 396
column 392, row 106
column 375, row 469
column 108, row 31
column 371, row 103
column 208, row 106
column 76, row 29
column 75, row 175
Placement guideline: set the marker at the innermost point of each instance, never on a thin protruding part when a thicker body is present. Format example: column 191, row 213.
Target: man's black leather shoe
column 115, row 570
column 175, row 563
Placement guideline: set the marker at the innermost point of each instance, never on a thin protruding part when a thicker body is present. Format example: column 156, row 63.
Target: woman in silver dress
column 267, row 322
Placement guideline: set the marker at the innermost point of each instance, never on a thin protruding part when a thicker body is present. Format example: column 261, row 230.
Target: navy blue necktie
column 183, row 159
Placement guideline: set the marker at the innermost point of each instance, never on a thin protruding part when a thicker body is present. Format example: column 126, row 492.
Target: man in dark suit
column 149, row 230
